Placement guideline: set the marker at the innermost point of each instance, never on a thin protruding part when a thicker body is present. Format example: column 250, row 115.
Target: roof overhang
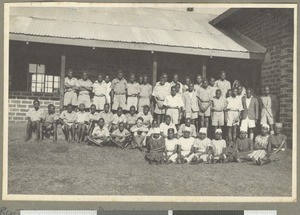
column 136, row 46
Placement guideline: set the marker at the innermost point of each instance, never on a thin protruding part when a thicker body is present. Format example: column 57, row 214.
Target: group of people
column 170, row 122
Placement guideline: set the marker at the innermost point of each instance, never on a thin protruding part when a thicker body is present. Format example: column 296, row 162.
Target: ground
column 62, row 168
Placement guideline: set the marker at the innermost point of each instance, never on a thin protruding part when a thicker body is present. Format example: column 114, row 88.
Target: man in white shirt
column 173, row 104
column 176, row 81
column 166, row 125
column 100, row 135
column 85, row 87
column 108, row 89
column 100, row 92
column 191, row 105
column 71, row 86
column 223, row 84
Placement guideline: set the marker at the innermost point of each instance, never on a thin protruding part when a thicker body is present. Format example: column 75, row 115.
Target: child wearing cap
column 156, row 148
column 218, row 148
column 185, row 145
column 262, row 147
column 187, row 124
column 201, row 148
column 278, row 140
column 171, row 147
column 243, row 146
column 139, row 134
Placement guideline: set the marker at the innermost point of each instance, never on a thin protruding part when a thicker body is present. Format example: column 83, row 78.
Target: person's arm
column 280, row 147
column 193, row 150
column 256, row 109
column 179, row 149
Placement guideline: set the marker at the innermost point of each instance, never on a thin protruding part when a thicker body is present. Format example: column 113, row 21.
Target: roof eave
column 224, row 16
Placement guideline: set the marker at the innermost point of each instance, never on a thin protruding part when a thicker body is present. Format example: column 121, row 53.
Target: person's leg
column 159, row 118
column 54, row 132
column 251, row 134
column 234, row 133
column 72, row 133
column 67, row 133
column 271, row 128
column 28, row 131
column 206, row 121
column 229, row 134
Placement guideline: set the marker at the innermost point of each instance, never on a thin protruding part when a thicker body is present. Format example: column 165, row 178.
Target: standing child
column 34, row 121
column 108, row 89
column 131, row 117
column 82, row 121
column 212, row 85
column 175, row 82
column 145, row 94
column 100, row 91
column 84, row 87
column 67, row 119
column 223, row 84
column 100, row 134
column 121, row 136
column 218, row 148
column 107, row 115
column 49, row 126
column 119, row 91
column 71, row 86
column 205, row 96
column 133, row 91
column 191, row 107
column 217, row 110
column 198, row 84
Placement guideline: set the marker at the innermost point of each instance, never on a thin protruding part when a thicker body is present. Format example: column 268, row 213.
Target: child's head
column 199, row 79
column 265, row 129
column 101, row 122
column 145, row 79
column 146, row 109
column 266, row 90
column 141, row 80
column 187, row 132
column 165, row 77
column 249, row 92
column 107, row 78
column 100, row 78
column 162, row 79
column 36, row 104
column 93, row 108
column 277, row 128
column 84, row 75
column 234, row 92
column 121, row 126
column 70, row 73
column 191, row 87
column 240, row 90
column 168, row 119
column 187, row 80
column 170, row 133
column 212, row 81
column 229, row 93
column 106, row 108
column 81, row 107
column 205, row 83
column 154, row 123
column 69, row 108
column 120, row 74
column 132, row 77
column 243, row 133
column 173, row 91
column 132, row 109
column 175, row 77
column 119, row 111
column 188, row 122
column 156, row 132
column 139, row 122
column 202, row 133
column 51, row 108
column 218, row 134
column 223, row 75
column 177, row 85
column 218, row 93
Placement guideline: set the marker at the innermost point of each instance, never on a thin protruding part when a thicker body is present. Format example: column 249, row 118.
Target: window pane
column 32, row 68
column 41, row 69
column 33, row 77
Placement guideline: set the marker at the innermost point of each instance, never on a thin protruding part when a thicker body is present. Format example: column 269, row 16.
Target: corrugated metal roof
column 128, row 25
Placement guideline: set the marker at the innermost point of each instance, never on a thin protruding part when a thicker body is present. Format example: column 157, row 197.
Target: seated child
column 188, row 123
column 131, row 117
column 34, row 117
column 121, row 136
column 117, row 118
column 218, row 148
column 49, row 126
column 139, row 134
column 81, row 123
column 185, row 145
column 243, row 147
column 151, row 129
column 201, row 148
column 262, row 147
column 156, row 149
column 107, row 115
column 278, row 140
column 93, row 117
column 166, row 125
column 171, row 144
column 67, row 119
column 146, row 115
column 100, row 134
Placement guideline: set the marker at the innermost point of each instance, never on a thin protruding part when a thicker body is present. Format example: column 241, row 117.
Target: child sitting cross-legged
column 218, row 148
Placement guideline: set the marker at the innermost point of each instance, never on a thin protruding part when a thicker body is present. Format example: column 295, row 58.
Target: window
column 40, row 81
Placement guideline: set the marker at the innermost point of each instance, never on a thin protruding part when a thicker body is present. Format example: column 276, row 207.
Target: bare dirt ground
column 79, row 169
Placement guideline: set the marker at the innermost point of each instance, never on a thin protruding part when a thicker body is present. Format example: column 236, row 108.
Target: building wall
column 274, row 30
column 20, row 102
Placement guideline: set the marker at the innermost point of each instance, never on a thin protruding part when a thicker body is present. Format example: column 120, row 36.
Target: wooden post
column 62, row 81
column 154, row 68
column 203, row 69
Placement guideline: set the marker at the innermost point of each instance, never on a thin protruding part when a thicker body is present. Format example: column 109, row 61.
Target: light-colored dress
column 262, row 142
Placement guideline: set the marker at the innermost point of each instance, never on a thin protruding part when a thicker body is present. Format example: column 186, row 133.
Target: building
column 46, row 41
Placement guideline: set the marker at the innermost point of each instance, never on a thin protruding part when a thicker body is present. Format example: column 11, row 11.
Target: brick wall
column 274, row 30
column 20, row 102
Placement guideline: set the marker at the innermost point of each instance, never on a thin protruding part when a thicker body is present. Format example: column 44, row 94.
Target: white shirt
column 100, row 132
column 173, row 101
column 161, row 91
column 82, row 117
column 202, row 144
column 218, row 146
column 248, row 100
column 99, row 88
column 234, row 103
column 224, row 86
column 171, row 144
column 186, row 143
column 164, row 128
column 174, row 84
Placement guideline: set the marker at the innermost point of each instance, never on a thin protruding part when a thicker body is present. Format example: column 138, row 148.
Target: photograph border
column 139, row 198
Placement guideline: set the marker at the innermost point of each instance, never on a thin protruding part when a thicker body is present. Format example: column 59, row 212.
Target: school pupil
column 100, row 91
column 67, row 119
column 34, row 121
column 84, row 89
column 190, row 105
column 185, row 144
column 205, row 96
column 187, row 124
column 278, row 140
column 121, row 137
column 117, row 118
column 119, row 91
column 133, row 90
column 243, row 147
column 100, row 135
column 139, row 132
column 218, row 107
column 131, row 117
column 146, row 115
column 81, row 123
column 70, row 88
column 155, row 153
column 218, row 148
column 171, row 147
column 145, row 94
column 107, row 115
column 93, row 118
column 166, row 125
column 49, row 123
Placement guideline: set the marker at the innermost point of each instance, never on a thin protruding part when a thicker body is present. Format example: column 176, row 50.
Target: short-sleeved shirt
column 202, row 145
column 186, row 143
column 84, row 83
column 213, row 89
column 234, row 103
column 73, row 82
column 266, row 100
column 224, row 86
column 117, row 119
column 93, row 116
column 142, row 128
column 164, row 128
column 218, row 146
column 145, row 90
column 161, row 91
column 133, row 88
column 244, row 145
column 82, row 117
column 205, row 95
column 131, row 119
column 182, row 129
column 68, row 117
column 174, row 101
column 197, row 87
column 123, row 134
column 174, row 84
column 147, row 118
column 276, row 140
column 50, row 117
column 108, row 117
column 119, row 86
column 262, row 141
column 100, row 89
column 171, row 145
column 219, row 104
column 35, row 115
column 100, row 132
